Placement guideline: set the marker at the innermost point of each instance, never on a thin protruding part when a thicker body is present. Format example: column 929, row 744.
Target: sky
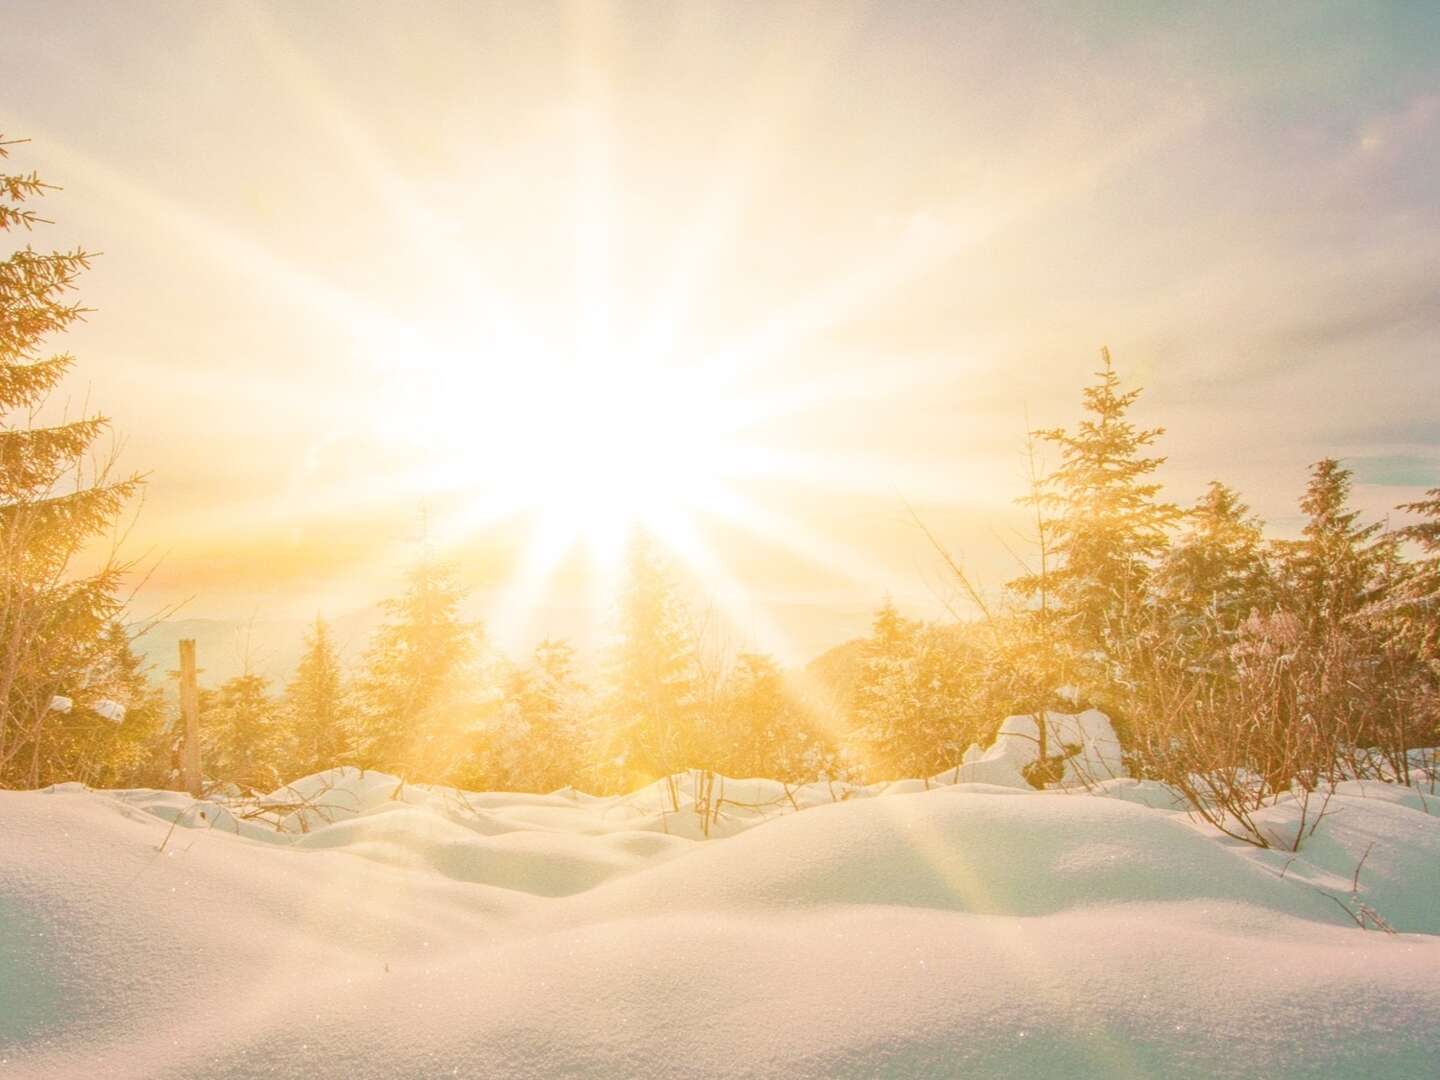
column 502, row 279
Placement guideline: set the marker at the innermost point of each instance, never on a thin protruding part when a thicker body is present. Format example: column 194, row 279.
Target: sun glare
column 610, row 447
column 588, row 446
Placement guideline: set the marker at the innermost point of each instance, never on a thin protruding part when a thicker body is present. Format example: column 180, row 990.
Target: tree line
column 1236, row 666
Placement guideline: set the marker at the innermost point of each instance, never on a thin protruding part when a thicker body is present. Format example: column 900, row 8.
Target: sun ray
column 786, row 532
column 512, row 615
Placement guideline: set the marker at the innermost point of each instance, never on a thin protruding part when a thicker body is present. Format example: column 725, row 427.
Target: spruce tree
column 1215, row 572
column 653, row 712
column 881, row 706
column 321, row 725
column 52, row 620
column 410, row 686
column 1107, row 523
column 1335, row 569
column 242, row 729
column 914, row 695
column 110, row 737
column 764, row 729
column 1417, row 602
column 538, row 740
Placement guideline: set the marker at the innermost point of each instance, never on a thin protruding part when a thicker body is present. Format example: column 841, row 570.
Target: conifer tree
column 321, row 725
column 537, row 740
column 913, row 697
column 110, row 736
column 1335, row 569
column 653, row 713
column 763, row 729
column 1108, row 526
column 411, row 685
column 1417, row 602
column 879, row 704
column 241, row 724
column 52, row 620
column 1215, row 572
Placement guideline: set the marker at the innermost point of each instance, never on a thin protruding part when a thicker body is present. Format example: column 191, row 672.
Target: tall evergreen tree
column 110, row 736
column 1215, row 572
column 537, row 739
column 52, row 620
column 320, row 721
column 763, row 729
column 653, row 713
column 1336, row 568
column 1108, row 525
column 241, row 725
column 1418, row 600
column 410, row 687
column 913, row 696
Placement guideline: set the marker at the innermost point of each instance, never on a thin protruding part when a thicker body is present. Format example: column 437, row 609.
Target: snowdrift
column 362, row 927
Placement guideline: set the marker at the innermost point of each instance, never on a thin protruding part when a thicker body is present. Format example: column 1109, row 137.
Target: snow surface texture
column 361, row 927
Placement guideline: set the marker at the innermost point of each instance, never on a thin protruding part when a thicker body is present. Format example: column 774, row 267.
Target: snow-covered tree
column 536, row 736
column 1215, row 573
column 1417, row 601
column 53, row 621
column 914, row 697
column 1337, row 567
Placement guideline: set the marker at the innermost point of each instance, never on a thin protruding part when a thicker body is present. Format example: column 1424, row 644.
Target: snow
column 353, row 925
column 1086, row 740
column 110, row 710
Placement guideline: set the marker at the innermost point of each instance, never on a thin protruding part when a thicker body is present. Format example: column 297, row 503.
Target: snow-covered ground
column 920, row 929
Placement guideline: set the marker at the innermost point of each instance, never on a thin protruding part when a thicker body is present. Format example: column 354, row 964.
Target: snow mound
column 1086, row 741
column 349, row 925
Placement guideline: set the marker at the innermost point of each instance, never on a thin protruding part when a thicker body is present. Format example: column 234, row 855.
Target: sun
column 603, row 447
column 588, row 446
column 570, row 445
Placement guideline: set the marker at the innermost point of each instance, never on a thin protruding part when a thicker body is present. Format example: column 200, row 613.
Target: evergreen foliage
column 1336, row 568
column 1416, row 603
column 654, row 711
column 411, row 687
column 763, row 728
column 53, row 503
column 1109, row 527
column 318, row 710
column 242, row 726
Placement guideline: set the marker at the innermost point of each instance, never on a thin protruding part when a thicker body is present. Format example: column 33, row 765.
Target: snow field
column 914, row 929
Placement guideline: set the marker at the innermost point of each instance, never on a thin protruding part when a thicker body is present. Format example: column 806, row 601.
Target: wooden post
column 190, row 713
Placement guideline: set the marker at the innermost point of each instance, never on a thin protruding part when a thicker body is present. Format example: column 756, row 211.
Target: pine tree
column 110, row 736
column 1215, row 572
column 320, row 721
column 881, row 706
column 1107, row 524
column 1417, row 602
column 241, row 725
column 538, row 737
column 764, row 729
column 52, row 621
column 653, row 713
column 915, row 696
column 411, row 687
column 1335, row 569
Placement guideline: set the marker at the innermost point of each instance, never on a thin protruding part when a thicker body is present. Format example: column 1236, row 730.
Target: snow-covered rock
column 1085, row 740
